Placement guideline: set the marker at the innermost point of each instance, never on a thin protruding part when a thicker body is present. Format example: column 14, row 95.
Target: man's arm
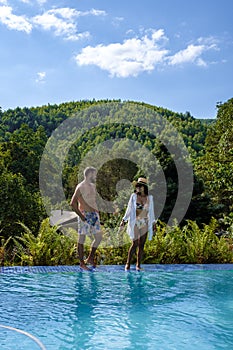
column 74, row 203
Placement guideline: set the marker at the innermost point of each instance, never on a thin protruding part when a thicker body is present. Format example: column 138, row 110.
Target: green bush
column 189, row 244
column 114, row 247
column 4, row 250
column 49, row 247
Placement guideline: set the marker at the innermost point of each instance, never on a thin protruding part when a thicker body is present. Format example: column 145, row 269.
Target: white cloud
column 40, row 2
column 135, row 55
column 190, row 54
column 92, row 12
column 59, row 20
column 41, row 77
column 78, row 36
column 210, row 42
column 20, row 23
column 117, row 21
column 200, row 62
column 64, row 12
column 95, row 12
column 62, row 21
column 120, row 19
column 143, row 54
column 128, row 59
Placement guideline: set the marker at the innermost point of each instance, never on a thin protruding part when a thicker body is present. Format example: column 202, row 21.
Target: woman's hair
column 145, row 189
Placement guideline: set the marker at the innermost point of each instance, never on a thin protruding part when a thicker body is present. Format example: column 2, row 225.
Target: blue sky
column 176, row 54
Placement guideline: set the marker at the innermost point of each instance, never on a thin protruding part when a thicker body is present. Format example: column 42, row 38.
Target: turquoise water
column 160, row 309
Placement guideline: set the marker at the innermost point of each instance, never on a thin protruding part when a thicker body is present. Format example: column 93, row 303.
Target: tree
column 22, row 153
column 17, row 204
column 216, row 166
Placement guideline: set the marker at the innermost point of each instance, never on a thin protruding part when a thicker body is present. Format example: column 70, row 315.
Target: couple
column 139, row 215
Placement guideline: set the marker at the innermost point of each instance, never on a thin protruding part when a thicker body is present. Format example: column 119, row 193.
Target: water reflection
column 116, row 312
column 122, row 310
column 140, row 310
column 86, row 298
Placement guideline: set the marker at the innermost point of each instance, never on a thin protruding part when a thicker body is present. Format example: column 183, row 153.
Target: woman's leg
column 132, row 248
column 141, row 243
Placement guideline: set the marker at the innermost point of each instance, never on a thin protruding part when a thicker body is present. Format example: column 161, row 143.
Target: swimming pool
column 164, row 307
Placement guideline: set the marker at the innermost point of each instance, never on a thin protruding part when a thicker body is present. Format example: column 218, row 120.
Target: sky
column 175, row 54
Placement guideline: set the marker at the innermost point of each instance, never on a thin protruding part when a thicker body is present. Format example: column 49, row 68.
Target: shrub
column 49, row 247
column 188, row 245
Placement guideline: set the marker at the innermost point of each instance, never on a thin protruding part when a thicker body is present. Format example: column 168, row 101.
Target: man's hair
column 89, row 170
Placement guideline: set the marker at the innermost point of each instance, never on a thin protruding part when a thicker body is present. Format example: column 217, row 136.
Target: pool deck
column 113, row 268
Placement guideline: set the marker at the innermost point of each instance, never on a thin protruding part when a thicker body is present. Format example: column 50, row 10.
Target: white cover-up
column 130, row 216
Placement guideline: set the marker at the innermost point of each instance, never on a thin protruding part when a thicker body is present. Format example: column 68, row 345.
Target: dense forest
column 204, row 146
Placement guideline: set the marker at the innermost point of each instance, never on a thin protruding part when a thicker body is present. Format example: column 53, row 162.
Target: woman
column 141, row 220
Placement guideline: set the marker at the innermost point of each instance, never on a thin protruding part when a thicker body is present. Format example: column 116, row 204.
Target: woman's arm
column 151, row 209
column 128, row 210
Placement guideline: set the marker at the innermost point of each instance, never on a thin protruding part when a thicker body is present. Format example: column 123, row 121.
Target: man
column 84, row 204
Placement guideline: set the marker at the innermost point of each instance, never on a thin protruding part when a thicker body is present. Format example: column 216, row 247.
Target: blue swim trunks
column 91, row 225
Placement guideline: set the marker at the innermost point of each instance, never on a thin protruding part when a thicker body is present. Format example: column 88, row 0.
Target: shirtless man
column 83, row 203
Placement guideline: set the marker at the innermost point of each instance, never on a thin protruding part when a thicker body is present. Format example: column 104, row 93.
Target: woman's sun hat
column 142, row 181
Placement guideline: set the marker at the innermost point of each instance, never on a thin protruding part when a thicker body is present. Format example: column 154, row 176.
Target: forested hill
column 24, row 133
column 51, row 116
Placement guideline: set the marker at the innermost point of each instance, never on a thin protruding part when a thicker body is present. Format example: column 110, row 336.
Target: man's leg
column 91, row 257
column 81, row 242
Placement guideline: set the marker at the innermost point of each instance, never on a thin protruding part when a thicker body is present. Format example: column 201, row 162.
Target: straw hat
column 142, row 181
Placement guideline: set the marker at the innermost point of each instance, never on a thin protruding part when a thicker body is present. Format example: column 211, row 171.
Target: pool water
column 160, row 308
